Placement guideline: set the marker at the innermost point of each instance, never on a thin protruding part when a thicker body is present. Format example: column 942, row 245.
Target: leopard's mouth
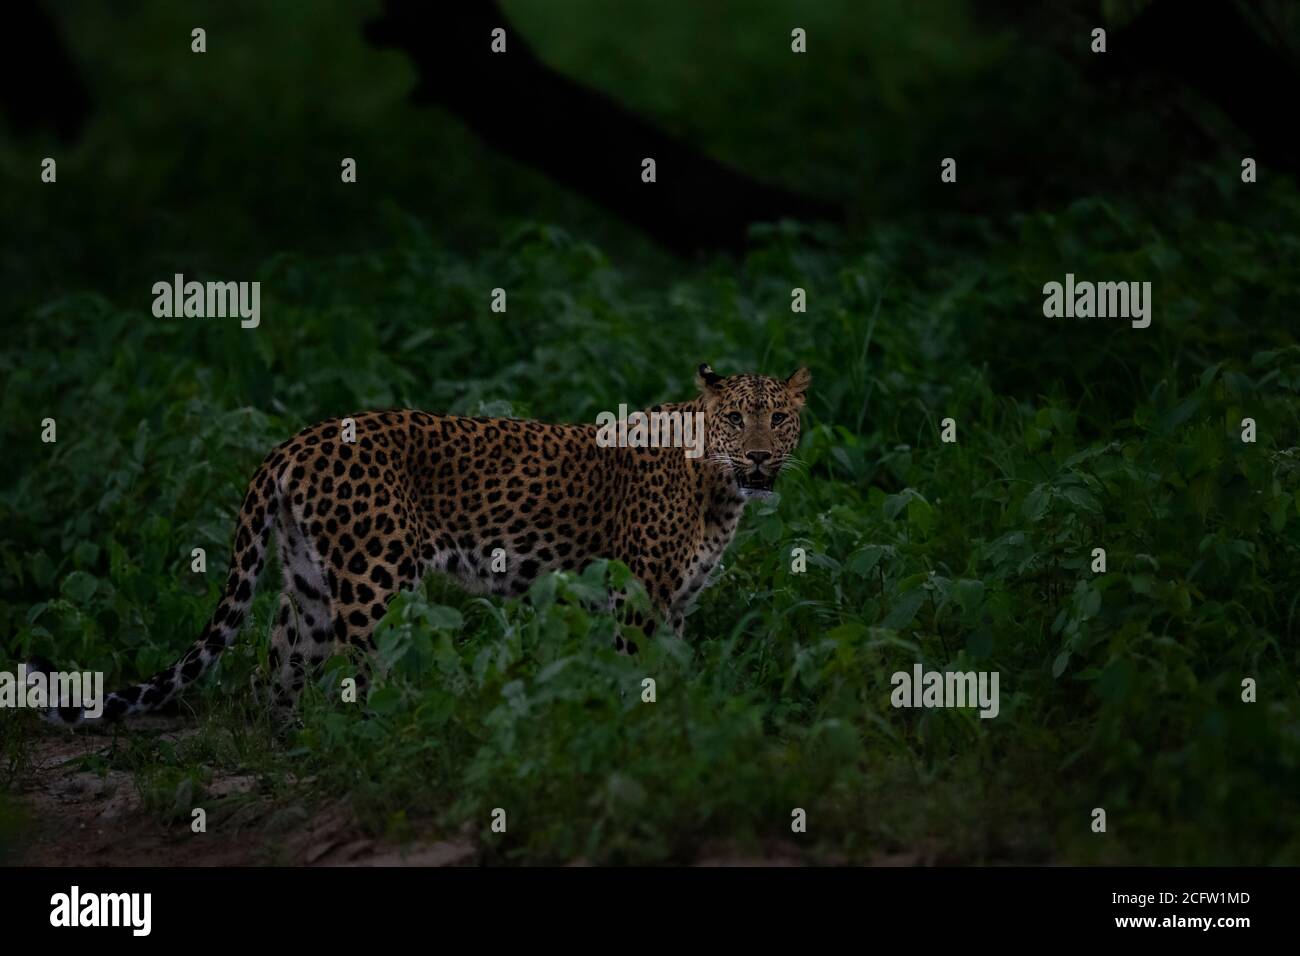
column 755, row 483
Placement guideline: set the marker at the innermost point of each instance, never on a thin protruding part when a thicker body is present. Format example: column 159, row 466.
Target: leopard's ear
column 797, row 384
column 706, row 379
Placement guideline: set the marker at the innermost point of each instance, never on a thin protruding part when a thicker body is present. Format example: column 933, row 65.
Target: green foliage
column 1119, row 689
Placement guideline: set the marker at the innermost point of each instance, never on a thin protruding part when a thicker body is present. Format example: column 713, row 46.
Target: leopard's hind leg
column 302, row 637
column 393, row 553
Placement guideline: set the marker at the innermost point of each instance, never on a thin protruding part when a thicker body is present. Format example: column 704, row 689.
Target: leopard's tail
column 252, row 537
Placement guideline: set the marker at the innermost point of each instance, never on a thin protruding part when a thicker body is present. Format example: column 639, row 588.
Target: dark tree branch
column 1212, row 49
column 52, row 97
column 578, row 137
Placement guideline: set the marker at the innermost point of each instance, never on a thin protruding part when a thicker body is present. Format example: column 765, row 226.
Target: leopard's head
column 751, row 425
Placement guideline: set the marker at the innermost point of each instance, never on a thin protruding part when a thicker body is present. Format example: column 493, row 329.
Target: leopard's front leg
column 634, row 622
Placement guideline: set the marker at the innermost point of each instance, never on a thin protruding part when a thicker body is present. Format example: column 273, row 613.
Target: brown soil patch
column 81, row 818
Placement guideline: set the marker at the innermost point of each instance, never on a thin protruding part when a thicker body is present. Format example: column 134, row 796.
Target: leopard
column 367, row 505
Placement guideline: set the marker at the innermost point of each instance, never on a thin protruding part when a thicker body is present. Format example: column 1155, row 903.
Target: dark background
column 775, row 171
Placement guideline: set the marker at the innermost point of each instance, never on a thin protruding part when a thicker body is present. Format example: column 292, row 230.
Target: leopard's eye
column 778, row 418
column 736, row 419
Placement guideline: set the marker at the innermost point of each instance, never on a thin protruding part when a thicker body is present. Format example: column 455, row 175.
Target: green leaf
column 384, row 700
column 1036, row 502
column 85, row 554
column 969, row 594
column 542, row 592
column 1081, row 498
column 920, row 514
column 42, row 569
column 79, row 587
column 552, row 669
column 980, row 643
column 848, row 632
column 619, row 575
column 819, row 560
column 1091, row 604
column 771, row 529
column 864, row 562
column 1058, row 665
column 904, row 609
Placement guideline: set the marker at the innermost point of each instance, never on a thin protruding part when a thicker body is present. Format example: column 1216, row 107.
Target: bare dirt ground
column 82, row 818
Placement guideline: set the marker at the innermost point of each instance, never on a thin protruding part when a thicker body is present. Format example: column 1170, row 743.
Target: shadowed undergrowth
column 1119, row 690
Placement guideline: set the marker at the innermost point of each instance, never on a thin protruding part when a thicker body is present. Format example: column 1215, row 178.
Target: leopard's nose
column 758, row 457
